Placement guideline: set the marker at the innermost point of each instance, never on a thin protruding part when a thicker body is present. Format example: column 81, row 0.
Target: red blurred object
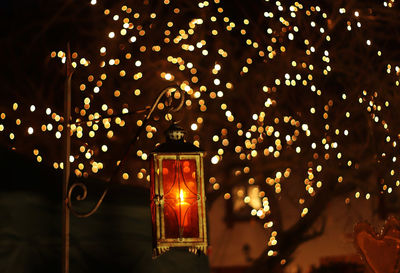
column 177, row 195
column 380, row 251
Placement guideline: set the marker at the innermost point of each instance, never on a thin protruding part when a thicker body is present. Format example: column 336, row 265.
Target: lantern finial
column 175, row 133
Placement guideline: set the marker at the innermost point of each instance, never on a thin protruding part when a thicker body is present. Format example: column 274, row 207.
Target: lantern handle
column 83, row 187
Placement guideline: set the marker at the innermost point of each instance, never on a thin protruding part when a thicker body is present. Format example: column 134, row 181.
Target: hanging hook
column 171, row 109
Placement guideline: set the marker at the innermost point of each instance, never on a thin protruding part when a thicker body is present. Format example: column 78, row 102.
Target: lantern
column 177, row 195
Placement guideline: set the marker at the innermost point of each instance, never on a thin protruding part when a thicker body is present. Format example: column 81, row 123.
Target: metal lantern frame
column 177, row 151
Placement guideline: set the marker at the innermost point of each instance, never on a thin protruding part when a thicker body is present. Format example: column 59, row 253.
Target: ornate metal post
column 67, row 189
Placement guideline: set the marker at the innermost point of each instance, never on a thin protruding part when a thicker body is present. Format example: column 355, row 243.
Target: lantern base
column 195, row 250
column 198, row 250
column 159, row 250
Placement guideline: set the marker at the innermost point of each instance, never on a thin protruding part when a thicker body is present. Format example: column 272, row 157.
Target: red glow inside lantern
column 180, row 198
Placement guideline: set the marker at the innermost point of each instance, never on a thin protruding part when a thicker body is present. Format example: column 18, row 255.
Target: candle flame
column 181, row 195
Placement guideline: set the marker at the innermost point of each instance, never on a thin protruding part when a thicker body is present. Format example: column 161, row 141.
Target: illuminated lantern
column 177, row 195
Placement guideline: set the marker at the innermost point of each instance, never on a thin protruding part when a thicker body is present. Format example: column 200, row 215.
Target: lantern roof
column 175, row 142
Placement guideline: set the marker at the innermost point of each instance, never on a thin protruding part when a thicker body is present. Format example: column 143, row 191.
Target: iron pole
column 66, row 173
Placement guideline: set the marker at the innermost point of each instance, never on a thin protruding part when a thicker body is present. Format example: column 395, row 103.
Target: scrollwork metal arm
column 83, row 187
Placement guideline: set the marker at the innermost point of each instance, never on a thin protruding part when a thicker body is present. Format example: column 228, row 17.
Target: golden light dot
column 215, row 159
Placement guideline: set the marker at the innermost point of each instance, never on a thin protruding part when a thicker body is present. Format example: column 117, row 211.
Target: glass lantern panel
column 181, row 217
